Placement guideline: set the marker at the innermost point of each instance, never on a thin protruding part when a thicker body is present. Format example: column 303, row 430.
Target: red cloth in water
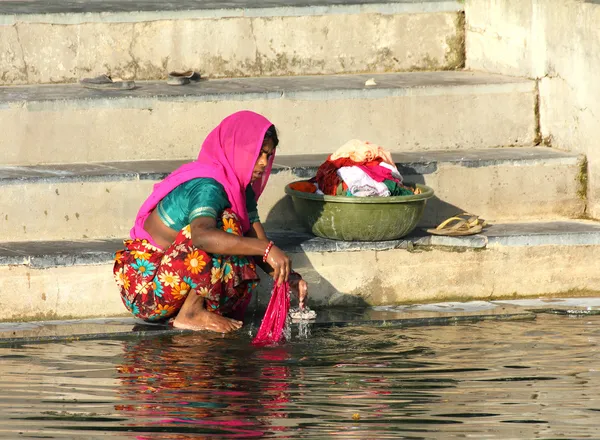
column 327, row 177
column 273, row 323
column 378, row 173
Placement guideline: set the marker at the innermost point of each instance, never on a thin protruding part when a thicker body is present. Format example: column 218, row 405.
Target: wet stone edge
column 167, row 331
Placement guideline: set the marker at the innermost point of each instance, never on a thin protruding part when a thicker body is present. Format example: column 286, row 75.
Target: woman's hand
column 281, row 264
column 300, row 288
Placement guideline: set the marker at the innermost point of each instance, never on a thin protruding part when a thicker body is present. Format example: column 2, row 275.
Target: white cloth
column 360, row 184
column 395, row 172
column 318, row 191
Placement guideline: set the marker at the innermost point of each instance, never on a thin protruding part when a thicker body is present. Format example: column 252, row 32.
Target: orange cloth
column 359, row 151
column 306, row 187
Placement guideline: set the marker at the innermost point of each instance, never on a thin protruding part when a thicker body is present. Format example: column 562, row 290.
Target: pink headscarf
column 228, row 155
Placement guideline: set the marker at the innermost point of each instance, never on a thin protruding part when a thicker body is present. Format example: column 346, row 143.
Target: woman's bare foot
column 193, row 316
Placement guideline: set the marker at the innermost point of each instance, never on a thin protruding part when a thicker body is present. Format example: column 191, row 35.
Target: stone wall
column 556, row 42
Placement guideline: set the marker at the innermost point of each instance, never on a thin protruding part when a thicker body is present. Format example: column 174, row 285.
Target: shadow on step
column 286, row 230
column 436, row 210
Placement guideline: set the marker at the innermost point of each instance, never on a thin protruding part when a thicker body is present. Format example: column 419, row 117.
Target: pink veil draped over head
column 228, row 155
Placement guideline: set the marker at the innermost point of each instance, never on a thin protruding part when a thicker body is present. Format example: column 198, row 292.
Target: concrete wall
column 85, row 126
column 558, row 43
column 383, row 278
column 64, row 49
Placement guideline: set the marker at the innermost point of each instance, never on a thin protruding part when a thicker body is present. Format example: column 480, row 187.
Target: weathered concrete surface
column 556, row 42
column 500, row 36
column 569, row 94
column 498, row 184
column 137, row 41
column 410, row 316
column 72, row 210
column 101, row 200
column 73, row 11
column 560, row 258
column 404, row 316
column 67, row 123
column 61, row 292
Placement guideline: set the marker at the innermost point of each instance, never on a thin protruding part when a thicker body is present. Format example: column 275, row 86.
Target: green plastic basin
column 360, row 218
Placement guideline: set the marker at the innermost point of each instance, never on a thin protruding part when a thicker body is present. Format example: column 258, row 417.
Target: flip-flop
column 472, row 219
column 105, row 82
column 182, row 78
column 460, row 225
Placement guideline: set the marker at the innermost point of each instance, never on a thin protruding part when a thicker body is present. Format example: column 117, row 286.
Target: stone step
column 100, row 200
column 57, row 41
column 315, row 114
column 73, row 279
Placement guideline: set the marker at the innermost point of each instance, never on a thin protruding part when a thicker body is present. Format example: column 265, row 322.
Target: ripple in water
column 492, row 380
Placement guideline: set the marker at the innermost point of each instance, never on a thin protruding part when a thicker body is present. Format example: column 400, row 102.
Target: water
column 489, row 380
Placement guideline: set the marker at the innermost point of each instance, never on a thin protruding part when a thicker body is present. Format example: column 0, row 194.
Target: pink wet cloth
column 228, row 155
column 273, row 323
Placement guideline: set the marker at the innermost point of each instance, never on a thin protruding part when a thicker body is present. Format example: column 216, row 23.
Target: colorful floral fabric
column 154, row 283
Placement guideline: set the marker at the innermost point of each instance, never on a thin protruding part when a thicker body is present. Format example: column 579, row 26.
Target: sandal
column 105, row 82
column 460, row 225
column 182, row 78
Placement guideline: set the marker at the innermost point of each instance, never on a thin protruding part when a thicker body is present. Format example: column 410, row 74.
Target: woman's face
column 267, row 150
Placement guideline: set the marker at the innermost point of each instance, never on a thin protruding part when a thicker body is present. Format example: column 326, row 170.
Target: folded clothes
column 368, row 170
column 327, row 177
column 360, row 184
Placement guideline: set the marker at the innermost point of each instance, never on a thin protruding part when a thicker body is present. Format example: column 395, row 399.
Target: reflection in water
column 190, row 383
column 493, row 380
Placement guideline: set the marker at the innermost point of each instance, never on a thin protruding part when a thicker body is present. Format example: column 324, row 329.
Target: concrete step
column 73, row 279
column 55, row 202
column 57, row 41
column 413, row 315
column 316, row 114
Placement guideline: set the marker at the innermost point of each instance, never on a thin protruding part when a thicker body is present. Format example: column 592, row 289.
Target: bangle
column 267, row 250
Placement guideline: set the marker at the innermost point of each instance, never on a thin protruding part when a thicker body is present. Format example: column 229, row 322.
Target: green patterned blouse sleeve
column 202, row 197
column 206, row 198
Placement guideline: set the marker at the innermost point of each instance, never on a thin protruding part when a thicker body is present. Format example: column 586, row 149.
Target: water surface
column 487, row 380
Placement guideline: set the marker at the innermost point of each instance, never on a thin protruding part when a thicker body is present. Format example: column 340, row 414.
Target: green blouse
column 202, row 197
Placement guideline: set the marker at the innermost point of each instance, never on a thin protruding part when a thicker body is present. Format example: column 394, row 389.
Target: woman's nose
column 263, row 160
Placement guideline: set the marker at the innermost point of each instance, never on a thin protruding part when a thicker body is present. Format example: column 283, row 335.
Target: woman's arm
column 257, row 231
column 297, row 284
column 207, row 237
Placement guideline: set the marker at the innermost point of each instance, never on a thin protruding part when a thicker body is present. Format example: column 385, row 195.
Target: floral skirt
column 154, row 283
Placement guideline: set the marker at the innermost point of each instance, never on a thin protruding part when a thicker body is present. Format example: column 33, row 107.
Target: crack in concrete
column 25, row 69
column 257, row 57
column 484, row 32
column 77, row 52
column 554, row 75
column 134, row 62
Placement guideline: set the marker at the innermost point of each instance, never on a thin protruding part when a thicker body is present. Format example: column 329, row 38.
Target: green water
column 490, row 380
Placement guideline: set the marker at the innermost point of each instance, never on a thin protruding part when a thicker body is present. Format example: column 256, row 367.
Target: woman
column 192, row 246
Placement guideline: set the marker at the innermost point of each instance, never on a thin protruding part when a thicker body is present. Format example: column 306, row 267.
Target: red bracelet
column 267, row 250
